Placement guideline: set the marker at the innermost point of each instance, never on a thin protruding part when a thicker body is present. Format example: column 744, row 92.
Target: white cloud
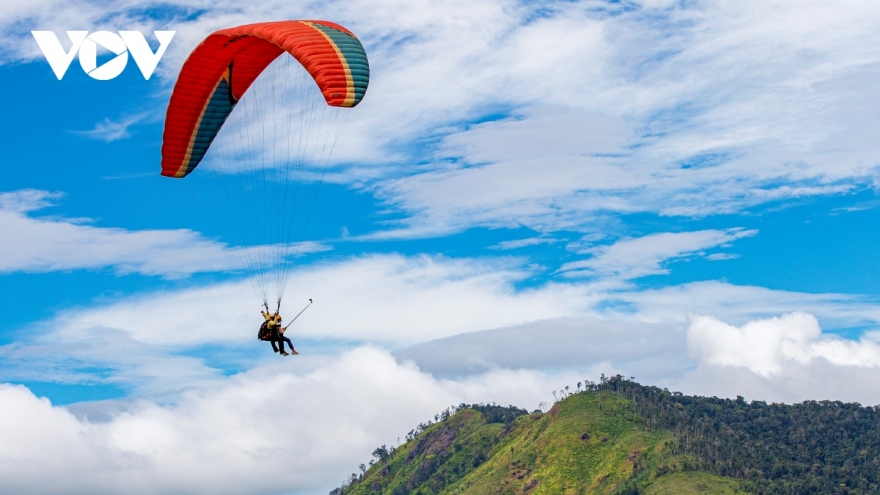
column 633, row 258
column 363, row 398
column 722, row 256
column 521, row 243
column 785, row 358
column 531, row 171
column 738, row 304
column 155, row 343
column 161, row 343
column 27, row 200
column 649, row 351
column 715, row 110
column 819, row 380
column 766, row 346
column 350, row 404
column 293, row 427
column 403, row 301
column 379, row 298
column 102, row 356
column 315, row 418
column 109, row 131
column 41, row 244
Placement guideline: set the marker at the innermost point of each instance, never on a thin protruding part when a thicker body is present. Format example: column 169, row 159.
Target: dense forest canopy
column 815, row 447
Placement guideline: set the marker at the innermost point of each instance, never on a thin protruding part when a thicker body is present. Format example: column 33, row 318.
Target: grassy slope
column 546, row 454
column 539, row 454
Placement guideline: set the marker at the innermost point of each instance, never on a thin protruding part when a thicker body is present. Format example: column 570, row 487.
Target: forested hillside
column 619, row 437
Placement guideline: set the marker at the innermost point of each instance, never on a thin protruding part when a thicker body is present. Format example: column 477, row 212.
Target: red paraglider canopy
column 220, row 70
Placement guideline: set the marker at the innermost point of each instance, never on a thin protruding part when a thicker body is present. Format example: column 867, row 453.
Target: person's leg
column 274, row 347
column 290, row 344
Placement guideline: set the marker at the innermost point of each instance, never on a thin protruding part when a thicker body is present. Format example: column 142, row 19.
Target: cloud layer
column 633, row 258
column 481, row 322
column 551, row 115
column 315, row 418
column 43, row 244
column 318, row 415
column 378, row 298
column 291, row 427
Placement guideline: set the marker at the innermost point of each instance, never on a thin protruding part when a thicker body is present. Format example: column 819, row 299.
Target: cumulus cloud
column 785, row 358
column 315, row 418
column 42, row 244
column 292, row 427
column 766, row 346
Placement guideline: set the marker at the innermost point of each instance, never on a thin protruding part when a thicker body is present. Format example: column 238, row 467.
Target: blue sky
column 529, row 195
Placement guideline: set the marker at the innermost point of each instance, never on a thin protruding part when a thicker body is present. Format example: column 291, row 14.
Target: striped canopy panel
column 225, row 64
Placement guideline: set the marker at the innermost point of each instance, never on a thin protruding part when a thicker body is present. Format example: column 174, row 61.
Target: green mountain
column 619, row 437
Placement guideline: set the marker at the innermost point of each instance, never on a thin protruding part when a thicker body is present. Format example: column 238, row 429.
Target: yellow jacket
column 272, row 323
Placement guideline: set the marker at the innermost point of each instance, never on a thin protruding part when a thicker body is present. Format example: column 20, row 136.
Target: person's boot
column 283, row 353
column 294, row 352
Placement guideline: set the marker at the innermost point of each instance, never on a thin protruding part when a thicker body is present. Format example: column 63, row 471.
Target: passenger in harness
column 282, row 339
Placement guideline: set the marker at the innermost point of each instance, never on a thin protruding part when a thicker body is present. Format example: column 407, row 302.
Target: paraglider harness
column 265, row 333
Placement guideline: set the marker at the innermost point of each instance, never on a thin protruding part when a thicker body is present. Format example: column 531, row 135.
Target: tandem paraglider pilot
column 272, row 331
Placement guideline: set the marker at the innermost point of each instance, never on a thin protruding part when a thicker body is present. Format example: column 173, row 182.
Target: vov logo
column 123, row 44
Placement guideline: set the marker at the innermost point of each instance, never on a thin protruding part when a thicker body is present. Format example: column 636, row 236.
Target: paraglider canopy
column 262, row 174
column 220, row 70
